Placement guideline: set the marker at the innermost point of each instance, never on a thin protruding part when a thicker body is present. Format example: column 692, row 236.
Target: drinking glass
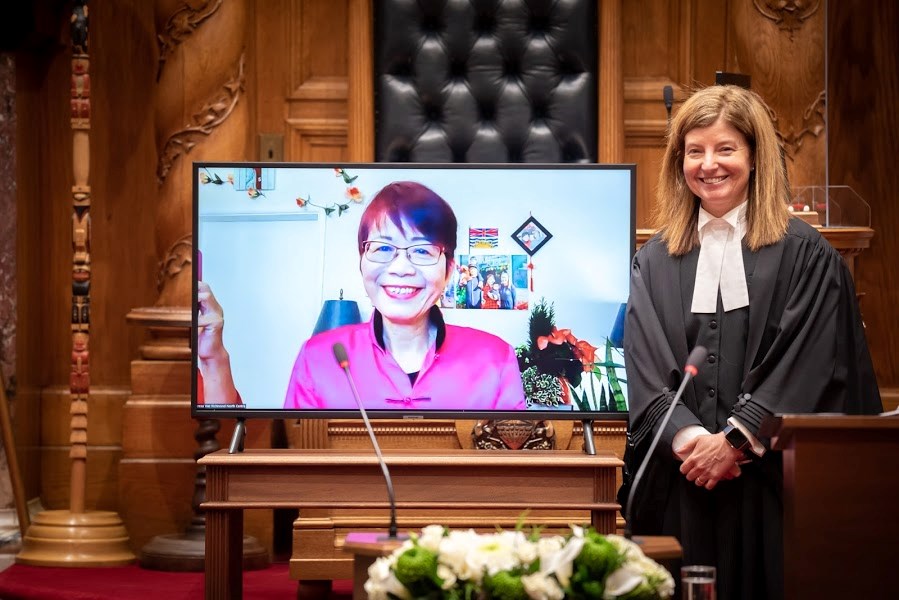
column 697, row 582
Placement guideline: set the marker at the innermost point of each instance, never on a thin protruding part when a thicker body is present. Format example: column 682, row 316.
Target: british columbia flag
column 483, row 237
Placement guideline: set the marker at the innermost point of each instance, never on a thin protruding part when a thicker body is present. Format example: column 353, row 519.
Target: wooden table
column 453, row 480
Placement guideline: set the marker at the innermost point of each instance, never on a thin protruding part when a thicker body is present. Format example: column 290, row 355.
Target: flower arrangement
column 559, row 369
column 512, row 565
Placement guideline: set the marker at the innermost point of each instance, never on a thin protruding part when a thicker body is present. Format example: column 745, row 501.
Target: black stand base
column 187, row 552
column 240, row 430
column 589, row 443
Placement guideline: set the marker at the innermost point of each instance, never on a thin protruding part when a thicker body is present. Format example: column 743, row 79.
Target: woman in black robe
column 775, row 306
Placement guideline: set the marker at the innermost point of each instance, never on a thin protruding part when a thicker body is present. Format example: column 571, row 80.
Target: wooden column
column 360, row 83
column 611, row 84
column 201, row 114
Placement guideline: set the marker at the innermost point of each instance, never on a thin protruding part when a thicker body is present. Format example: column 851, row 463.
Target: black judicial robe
column 799, row 347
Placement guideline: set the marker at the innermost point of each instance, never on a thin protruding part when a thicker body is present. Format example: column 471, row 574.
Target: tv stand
column 237, row 438
column 589, row 444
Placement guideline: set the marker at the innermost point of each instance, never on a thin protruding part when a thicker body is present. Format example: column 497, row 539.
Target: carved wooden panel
column 316, row 104
column 781, row 45
column 683, row 42
column 317, row 140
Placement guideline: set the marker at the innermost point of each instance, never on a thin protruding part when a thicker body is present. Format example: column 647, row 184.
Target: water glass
column 697, row 582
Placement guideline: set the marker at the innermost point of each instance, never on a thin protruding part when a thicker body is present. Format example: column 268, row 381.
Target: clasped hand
column 709, row 459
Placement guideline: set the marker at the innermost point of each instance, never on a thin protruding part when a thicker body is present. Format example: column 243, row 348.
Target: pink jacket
column 472, row 370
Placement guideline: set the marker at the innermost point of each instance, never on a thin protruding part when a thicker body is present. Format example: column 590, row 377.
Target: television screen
column 447, row 291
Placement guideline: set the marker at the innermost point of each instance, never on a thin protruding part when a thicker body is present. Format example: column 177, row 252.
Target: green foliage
column 596, row 560
column 541, row 323
column 541, row 388
column 417, row 570
column 505, row 585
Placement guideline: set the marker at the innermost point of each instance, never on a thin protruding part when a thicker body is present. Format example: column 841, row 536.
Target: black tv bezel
column 224, row 412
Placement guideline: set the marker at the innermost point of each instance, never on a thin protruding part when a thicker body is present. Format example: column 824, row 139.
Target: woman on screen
column 406, row 356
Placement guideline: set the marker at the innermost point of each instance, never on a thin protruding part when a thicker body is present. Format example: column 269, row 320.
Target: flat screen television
column 541, row 264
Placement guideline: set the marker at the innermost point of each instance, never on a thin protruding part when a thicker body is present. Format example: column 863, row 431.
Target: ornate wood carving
column 180, row 26
column 178, row 257
column 203, row 122
column 813, row 124
column 513, row 435
column 79, row 379
column 788, row 15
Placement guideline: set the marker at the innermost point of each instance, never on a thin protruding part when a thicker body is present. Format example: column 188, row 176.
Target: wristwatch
column 735, row 438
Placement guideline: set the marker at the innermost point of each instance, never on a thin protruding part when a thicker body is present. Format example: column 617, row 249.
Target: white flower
column 560, row 562
column 527, row 551
column 656, row 575
column 430, row 537
column 454, row 550
column 625, row 546
column 492, row 553
column 447, row 576
column 542, row 587
column 382, row 581
column 636, row 565
column 547, row 545
column 623, row 580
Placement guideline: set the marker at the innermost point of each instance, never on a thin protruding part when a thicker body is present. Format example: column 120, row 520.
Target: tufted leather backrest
column 485, row 80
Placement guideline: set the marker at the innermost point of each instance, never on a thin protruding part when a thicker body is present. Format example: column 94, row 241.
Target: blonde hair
column 677, row 207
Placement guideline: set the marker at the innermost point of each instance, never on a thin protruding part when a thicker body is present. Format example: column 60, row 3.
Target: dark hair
column 419, row 207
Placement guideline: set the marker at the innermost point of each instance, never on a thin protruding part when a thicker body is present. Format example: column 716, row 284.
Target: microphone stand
column 697, row 356
column 392, row 529
column 343, row 361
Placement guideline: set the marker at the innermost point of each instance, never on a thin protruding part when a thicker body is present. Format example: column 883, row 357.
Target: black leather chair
column 485, row 80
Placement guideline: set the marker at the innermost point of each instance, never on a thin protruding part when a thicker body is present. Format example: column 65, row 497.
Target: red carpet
column 21, row 582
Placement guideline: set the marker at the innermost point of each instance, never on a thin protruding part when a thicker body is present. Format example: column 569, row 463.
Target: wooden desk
column 450, row 480
column 840, row 491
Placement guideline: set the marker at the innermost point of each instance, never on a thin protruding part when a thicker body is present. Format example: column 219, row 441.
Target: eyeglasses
column 422, row 255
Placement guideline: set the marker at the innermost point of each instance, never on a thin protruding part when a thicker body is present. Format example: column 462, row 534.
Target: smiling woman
column 775, row 306
column 406, row 355
column 717, row 163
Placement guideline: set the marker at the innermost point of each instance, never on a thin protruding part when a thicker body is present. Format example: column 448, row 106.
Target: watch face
column 735, row 437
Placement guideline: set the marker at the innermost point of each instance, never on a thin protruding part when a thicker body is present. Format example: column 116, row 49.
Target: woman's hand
column 211, row 322
column 212, row 358
column 709, row 459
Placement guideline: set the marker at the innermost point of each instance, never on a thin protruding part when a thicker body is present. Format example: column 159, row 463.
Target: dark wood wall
column 298, row 61
column 863, row 87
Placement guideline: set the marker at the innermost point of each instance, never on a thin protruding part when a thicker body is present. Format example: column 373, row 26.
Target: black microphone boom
column 668, row 95
column 344, row 361
column 697, row 356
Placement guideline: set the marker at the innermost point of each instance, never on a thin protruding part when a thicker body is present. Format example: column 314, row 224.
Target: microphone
column 668, row 95
column 344, row 361
column 697, row 356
